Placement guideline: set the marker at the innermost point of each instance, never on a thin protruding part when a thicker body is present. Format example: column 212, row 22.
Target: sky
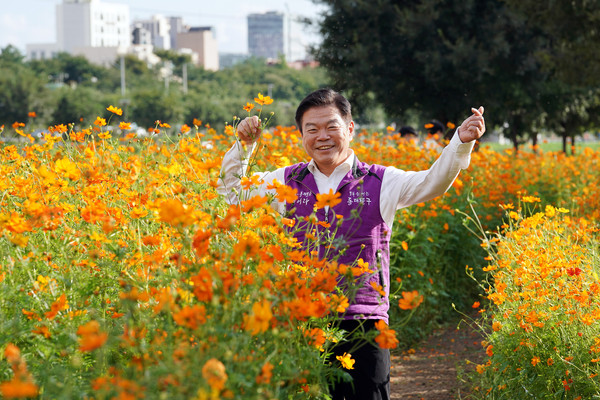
column 33, row 21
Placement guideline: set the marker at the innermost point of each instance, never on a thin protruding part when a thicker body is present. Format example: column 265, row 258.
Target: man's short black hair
column 322, row 98
column 435, row 126
column 407, row 130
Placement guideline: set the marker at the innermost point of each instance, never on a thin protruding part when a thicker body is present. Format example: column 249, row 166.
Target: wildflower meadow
column 125, row 275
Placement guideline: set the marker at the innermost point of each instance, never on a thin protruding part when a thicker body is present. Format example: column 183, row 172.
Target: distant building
column 201, row 40
column 42, row 51
column 266, row 35
column 140, row 35
column 160, row 31
column 85, row 25
column 176, row 27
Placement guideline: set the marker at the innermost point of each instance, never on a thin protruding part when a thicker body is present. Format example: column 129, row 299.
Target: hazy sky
column 33, row 21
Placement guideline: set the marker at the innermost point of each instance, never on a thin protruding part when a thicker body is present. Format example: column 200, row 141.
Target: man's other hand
column 473, row 127
column 249, row 129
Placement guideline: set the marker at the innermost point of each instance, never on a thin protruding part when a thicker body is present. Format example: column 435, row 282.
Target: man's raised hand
column 249, row 130
column 473, row 127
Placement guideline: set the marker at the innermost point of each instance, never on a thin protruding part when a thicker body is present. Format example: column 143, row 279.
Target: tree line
column 69, row 89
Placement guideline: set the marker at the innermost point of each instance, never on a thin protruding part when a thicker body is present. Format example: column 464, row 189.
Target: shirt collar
column 343, row 167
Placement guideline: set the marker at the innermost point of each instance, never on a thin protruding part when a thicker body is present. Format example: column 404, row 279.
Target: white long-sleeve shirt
column 398, row 188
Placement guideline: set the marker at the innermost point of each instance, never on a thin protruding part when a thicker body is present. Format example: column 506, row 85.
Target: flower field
column 124, row 275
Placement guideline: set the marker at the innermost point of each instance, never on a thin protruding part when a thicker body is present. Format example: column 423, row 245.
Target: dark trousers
column 371, row 373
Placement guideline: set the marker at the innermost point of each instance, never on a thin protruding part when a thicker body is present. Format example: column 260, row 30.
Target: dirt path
column 429, row 372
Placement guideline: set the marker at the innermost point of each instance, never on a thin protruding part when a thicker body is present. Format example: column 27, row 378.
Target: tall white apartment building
column 92, row 23
column 91, row 28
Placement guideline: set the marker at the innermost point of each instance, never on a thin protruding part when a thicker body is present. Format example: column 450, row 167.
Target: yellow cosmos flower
column 263, row 100
column 346, row 360
column 115, row 110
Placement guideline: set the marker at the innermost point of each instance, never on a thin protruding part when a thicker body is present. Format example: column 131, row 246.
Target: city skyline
column 34, row 21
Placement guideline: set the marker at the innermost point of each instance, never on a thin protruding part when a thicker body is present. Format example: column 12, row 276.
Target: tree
column 573, row 53
column 11, row 55
column 22, row 92
column 80, row 105
column 66, row 68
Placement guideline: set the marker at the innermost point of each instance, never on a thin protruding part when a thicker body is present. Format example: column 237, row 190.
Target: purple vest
column 362, row 233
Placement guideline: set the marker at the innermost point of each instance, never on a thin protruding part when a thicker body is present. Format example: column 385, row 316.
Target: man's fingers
column 478, row 111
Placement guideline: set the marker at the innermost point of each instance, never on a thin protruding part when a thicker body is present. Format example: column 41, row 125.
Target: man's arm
column 235, row 165
column 404, row 188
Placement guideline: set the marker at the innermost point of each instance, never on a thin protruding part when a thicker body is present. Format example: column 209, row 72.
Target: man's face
column 326, row 137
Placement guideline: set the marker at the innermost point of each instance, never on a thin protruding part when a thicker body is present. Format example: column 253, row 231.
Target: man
column 370, row 196
column 408, row 133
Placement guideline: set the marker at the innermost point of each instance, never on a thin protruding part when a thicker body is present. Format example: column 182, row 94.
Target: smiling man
column 370, row 194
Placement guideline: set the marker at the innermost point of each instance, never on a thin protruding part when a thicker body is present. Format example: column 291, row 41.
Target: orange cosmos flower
column 362, row 267
column 535, row 360
column 201, row 242
column 404, row 246
column 260, row 317
column 115, row 110
column 476, row 305
column 138, row 212
column 100, row 121
column 265, row 373
column 104, row 135
column 287, row 194
column 248, row 245
column 185, row 129
column 32, row 114
column 263, row 100
column 410, row 300
column 203, row 285
column 197, row 122
column 387, row 337
column 42, row 331
column 233, row 214
column 17, row 389
column 214, row 373
column 288, row 222
column 378, row 288
column 191, row 316
column 339, row 303
column 316, row 337
column 450, row 125
column 255, row 202
column 489, row 350
column 328, row 199
column 346, row 360
column 428, row 126
column 125, row 126
column 90, row 336
column 248, row 107
column 59, row 305
column 248, row 182
column 67, row 168
column 173, row 212
column 12, row 353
